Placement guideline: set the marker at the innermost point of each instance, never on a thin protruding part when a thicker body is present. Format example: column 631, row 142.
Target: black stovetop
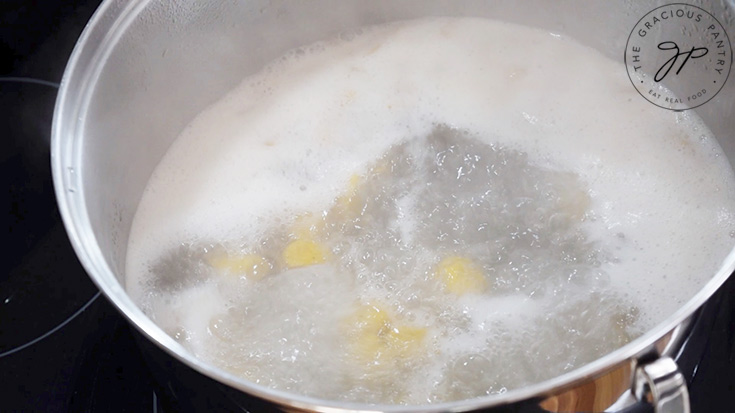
column 63, row 347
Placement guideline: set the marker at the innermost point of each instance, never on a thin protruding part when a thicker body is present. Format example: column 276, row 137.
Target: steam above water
column 428, row 212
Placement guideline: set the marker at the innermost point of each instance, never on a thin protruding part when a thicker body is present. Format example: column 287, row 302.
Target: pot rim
column 97, row 41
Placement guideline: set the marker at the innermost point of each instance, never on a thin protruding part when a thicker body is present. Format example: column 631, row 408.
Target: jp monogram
column 678, row 56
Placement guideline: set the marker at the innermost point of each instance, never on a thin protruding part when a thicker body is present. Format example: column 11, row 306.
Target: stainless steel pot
column 143, row 68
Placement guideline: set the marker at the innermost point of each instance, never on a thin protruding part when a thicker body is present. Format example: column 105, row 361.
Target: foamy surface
column 475, row 213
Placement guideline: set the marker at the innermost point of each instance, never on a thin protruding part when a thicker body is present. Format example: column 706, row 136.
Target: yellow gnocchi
column 304, row 252
column 252, row 266
column 460, row 275
column 347, row 204
column 377, row 338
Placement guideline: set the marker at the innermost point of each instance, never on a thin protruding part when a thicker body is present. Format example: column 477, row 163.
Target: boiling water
column 428, row 211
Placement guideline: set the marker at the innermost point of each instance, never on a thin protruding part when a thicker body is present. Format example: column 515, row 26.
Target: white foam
column 288, row 139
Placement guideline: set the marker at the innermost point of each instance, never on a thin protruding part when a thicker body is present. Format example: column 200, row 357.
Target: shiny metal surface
column 661, row 384
column 143, row 68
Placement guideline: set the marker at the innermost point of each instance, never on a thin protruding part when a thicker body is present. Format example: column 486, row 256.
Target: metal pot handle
column 660, row 383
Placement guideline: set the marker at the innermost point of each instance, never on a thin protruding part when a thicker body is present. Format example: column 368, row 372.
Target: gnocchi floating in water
column 249, row 265
column 304, row 252
column 404, row 218
column 378, row 339
column 460, row 275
